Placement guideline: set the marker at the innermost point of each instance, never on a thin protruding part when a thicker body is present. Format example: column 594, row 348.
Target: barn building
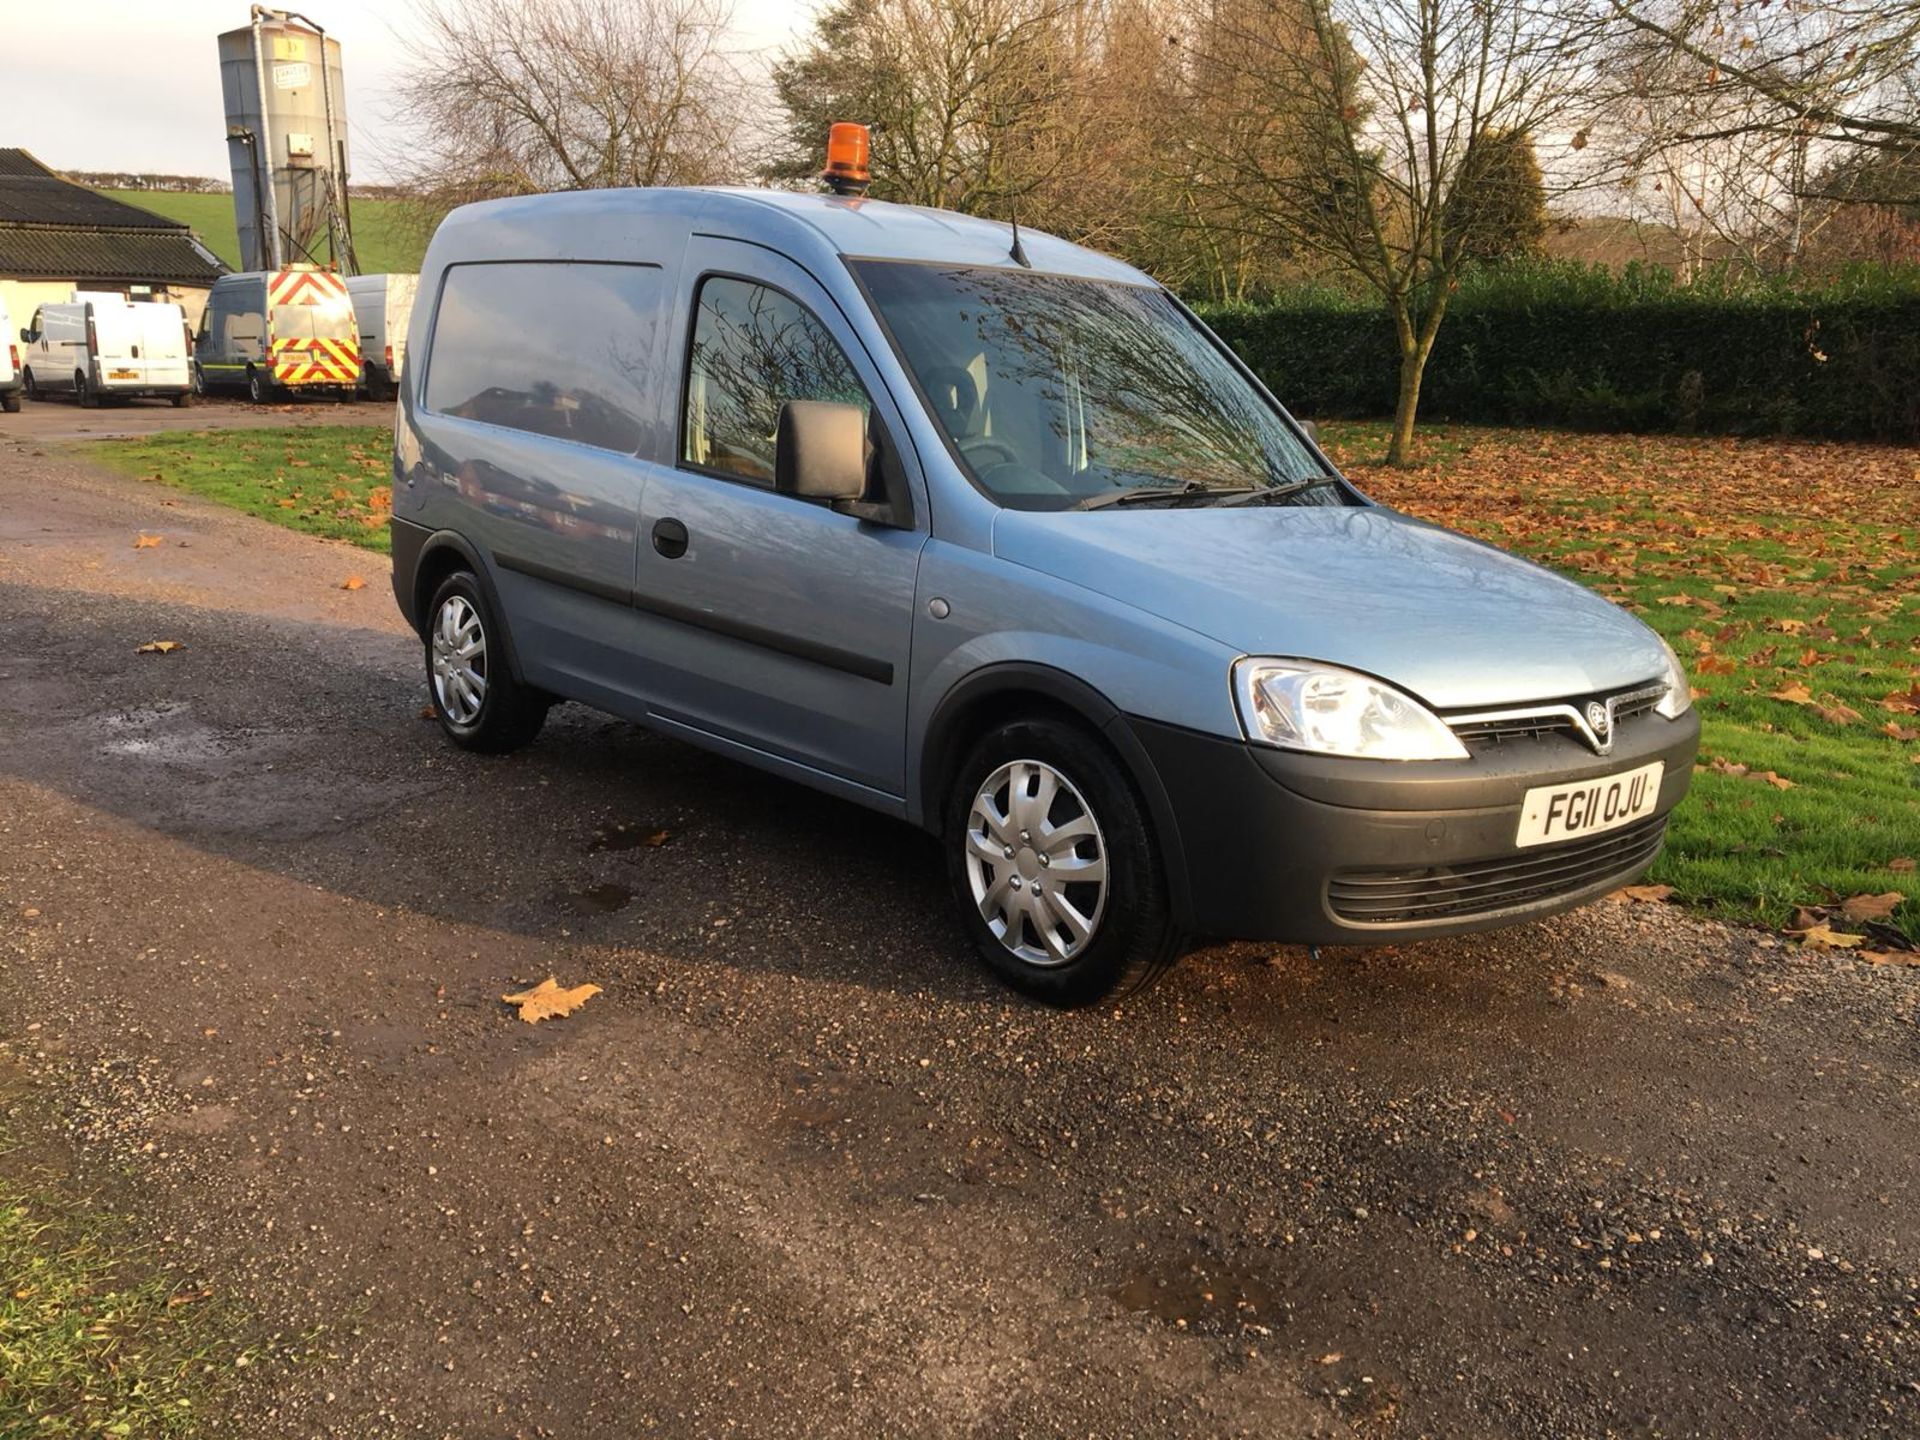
column 56, row 237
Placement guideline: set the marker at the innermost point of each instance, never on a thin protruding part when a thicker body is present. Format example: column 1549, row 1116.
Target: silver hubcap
column 1037, row 862
column 459, row 661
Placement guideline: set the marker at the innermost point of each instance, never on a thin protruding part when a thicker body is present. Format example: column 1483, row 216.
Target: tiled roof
column 52, row 229
column 31, row 194
column 75, row 253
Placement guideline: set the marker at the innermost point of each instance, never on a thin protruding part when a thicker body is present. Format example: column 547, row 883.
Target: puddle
column 166, row 733
column 605, row 898
column 629, row 837
column 1220, row 1299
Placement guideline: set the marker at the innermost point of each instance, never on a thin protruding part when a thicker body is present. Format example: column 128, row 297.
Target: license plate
column 1568, row 812
column 123, row 374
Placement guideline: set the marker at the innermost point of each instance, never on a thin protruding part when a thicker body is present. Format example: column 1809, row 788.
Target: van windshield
column 1064, row 393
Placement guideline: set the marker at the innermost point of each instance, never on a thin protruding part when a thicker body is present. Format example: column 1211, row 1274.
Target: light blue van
column 999, row 540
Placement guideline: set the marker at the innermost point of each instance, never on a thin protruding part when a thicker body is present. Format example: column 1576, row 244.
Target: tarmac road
column 802, row 1169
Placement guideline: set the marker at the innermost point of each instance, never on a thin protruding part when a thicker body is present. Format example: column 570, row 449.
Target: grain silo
column 287, row 141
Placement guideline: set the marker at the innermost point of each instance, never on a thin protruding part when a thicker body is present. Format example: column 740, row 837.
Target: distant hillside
column 383, row 231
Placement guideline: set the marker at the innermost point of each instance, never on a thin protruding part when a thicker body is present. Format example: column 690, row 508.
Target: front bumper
column 1311, row 850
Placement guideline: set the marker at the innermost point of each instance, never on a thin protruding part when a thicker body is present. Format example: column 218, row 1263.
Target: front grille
column 1558, row 717
column 1486, row 887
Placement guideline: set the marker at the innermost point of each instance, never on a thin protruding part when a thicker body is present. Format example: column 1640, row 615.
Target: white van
column 9, row 363
column 101, row 345
column 382, row 306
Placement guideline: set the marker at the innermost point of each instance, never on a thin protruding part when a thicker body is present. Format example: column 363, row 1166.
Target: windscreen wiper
column 1134, row 494
column 1259, row 496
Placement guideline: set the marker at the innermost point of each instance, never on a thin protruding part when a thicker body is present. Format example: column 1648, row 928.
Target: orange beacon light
column 849, row 156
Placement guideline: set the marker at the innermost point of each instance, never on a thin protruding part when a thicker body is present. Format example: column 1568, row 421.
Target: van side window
column 754, row 349
column 552, row 348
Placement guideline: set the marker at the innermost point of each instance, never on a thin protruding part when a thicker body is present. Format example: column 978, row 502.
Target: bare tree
column 1726, row 120
column 1829, row 73
column 966, row 98
column 511, row 97
column 1390, row 106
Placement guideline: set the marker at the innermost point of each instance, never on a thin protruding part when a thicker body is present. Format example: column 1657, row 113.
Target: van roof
column 856, row 228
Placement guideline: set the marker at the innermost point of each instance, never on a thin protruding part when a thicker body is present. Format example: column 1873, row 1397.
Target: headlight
column 1299, row 705
column 1679, row 697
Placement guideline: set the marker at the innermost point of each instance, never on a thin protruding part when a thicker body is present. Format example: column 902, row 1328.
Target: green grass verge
column 1785, row 575
column 95, row 1339
column 387, row 234
column 330, row 480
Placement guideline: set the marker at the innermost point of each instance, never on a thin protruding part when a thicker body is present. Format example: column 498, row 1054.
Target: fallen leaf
column 159, row 647
column 1901, row 866
column 427, row 712
column 547, row 999
column 1837, row 713
column 1794, row 693
column 1857, row 908
column 147, row 542
column 1890, row 957
column 1903, row 702
column 1897, row 731
column 658, row 838
column 1641, row 892
column 1821, row 936
column 353, row 582
column 1332, row 1357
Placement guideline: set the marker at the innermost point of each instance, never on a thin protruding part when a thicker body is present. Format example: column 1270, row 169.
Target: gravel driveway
column 802, row 1169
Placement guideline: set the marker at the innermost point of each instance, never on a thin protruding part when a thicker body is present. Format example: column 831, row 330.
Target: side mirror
column 820, row 451
column 27, row 336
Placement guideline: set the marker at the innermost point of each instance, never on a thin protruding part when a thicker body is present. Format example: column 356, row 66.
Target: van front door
column 770, row 624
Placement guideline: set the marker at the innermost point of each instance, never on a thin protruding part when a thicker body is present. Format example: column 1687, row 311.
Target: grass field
column 1784, row 573
column 385, row 234
column 95, row 1340
column 332, row 480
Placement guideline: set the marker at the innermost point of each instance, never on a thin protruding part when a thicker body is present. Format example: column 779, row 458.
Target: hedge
column 1565, row 344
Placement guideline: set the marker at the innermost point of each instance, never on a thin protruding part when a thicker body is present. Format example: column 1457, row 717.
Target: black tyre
column 31, row 386
column 10, row 402
column 475, row 696
column 1055, row 866
column 260, row 390
column 183, row 400
column 83, row 392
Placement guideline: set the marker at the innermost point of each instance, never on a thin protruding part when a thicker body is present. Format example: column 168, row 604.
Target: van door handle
column 670, row 538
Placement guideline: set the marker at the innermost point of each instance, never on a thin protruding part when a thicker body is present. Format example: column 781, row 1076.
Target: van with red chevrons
column 277, row 334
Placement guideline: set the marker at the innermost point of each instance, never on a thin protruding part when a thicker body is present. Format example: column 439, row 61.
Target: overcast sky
column 135, row 84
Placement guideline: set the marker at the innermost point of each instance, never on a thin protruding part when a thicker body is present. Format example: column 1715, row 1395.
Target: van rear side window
column 552, row 348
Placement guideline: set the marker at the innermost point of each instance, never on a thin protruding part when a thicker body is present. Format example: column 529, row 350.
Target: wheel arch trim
column 430, row 556
column 939, row 753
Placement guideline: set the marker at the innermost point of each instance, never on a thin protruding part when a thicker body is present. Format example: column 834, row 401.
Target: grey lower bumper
column 1297, row 848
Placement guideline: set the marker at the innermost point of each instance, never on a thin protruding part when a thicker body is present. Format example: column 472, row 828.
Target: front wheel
column 1053, row 863
column 88, row 397
column 31, row 386
column 478, row 702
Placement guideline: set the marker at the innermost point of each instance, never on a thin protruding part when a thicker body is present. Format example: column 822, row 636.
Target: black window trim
column 423, row 375
column 899, row 502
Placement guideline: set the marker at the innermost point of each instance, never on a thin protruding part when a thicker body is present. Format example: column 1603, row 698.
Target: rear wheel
column 10, row 402
column 475, row 696
column 1054, row 866
column 183, row 400
column 83, row 392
